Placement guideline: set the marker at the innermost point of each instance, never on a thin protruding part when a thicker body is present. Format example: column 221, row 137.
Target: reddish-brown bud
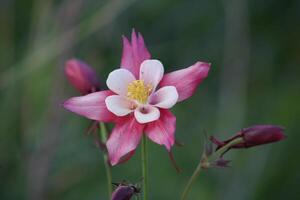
column 81, row 76
column 260, row 134
column 124, row 191
column 253, row 136
column 247, row 137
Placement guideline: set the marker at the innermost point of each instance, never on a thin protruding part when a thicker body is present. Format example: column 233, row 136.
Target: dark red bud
column 261, row 134
column 124, row 192
column 81, row 76
column 253, row 136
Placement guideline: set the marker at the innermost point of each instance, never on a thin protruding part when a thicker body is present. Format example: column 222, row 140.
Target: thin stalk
column 144, row 160
column 191, row 181
column 223, row 149
column 103, row 134
column 204, row 163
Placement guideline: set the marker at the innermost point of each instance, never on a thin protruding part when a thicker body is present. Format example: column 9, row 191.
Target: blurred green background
column 254, row 48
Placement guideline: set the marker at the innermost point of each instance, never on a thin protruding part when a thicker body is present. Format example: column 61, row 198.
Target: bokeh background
column 254, row 48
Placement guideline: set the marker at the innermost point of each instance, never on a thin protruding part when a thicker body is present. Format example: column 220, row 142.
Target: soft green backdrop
column 254, row 48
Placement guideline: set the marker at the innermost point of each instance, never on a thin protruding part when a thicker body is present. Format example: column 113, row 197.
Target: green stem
column 103, row 134
column 204, row 163
column 223, row 149
column 145, row 168
column 191, row 181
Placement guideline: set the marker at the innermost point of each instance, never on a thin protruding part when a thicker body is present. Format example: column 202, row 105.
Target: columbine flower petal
column 118, row 81
column 166, row 97
column 186, row 80
column 91, row 106
column 134, row 54
column 151, row 72
column 124, row 138
column 146, row 113
column 119, row 105
column 126, row 157
column 162, row 131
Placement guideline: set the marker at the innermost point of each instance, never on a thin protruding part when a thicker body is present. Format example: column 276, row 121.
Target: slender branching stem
column 191, row 181
column 205, row 163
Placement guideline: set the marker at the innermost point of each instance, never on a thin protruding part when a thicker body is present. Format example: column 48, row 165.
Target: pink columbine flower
column 138, row 100
column 81, row 76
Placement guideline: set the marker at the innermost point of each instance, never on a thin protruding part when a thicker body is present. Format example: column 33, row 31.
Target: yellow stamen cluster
column 137, row 90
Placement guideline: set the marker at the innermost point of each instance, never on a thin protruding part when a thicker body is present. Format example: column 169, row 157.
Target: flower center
column 137, row 90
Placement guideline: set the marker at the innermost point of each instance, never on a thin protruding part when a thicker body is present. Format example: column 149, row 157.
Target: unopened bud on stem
column 81, row 76
column 253, row 136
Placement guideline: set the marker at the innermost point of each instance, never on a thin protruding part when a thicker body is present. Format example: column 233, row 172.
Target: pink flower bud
column 81, row 76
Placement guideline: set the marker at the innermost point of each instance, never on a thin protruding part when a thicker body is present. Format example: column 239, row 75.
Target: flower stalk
column 191, row 181
column 103, row 135
column 144, row 159
column 206, row 163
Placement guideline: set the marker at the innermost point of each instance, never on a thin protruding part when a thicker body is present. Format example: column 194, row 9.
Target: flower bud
column 260, row 134
column 253, row 136
column 124, row 191
column 81, row 76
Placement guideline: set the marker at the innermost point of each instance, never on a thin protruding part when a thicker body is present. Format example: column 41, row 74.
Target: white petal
column 166, row 97
column 151, row 72
column 119, row 105
column 118, row 81
column 146, row 113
